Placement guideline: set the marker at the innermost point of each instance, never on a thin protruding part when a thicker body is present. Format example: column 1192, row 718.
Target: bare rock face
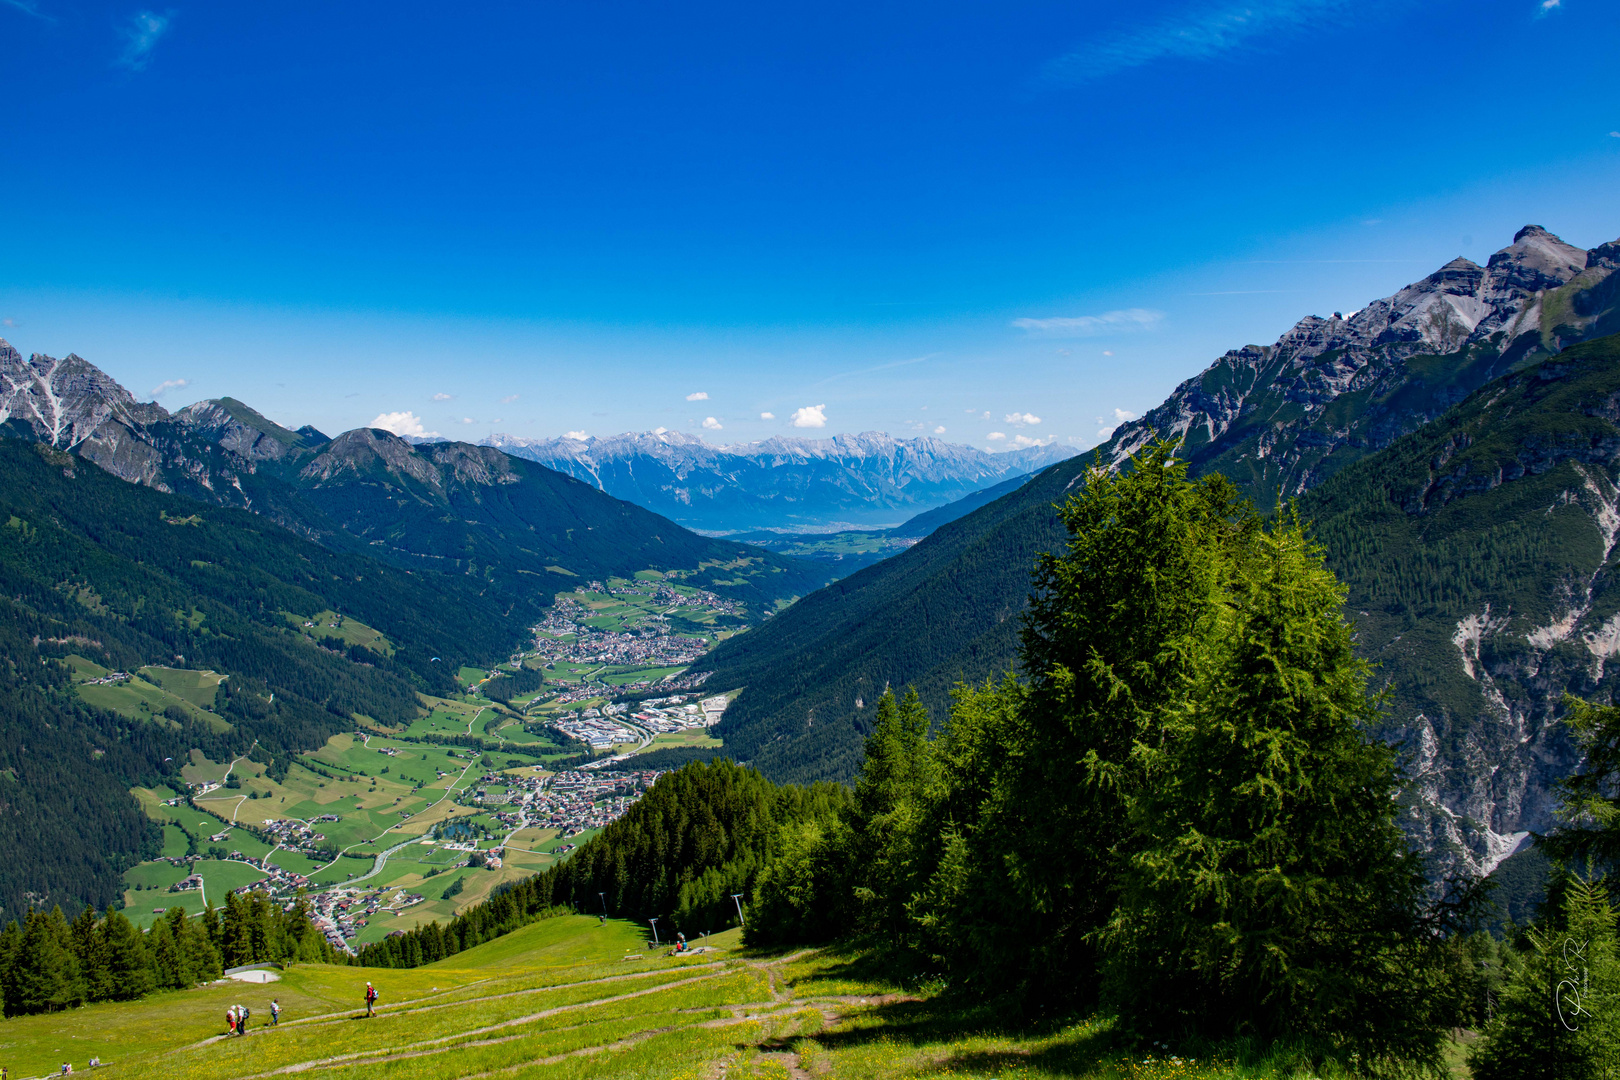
column 1282, row 418
column 65, row 401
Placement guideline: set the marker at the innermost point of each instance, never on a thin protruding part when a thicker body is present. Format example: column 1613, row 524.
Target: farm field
column 384, row 791
column 149, row 691
column 350, row 631
column 576, row 999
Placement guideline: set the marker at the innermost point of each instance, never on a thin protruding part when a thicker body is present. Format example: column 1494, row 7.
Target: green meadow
column 574, row 998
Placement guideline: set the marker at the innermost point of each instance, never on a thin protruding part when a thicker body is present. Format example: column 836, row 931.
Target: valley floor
column 573, row 998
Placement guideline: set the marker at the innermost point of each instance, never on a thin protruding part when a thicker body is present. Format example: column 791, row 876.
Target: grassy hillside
column 572, row 998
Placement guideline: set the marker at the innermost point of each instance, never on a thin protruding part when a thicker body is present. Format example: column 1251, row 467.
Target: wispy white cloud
column 711, row 424
column 508, row 399
column 576, row 435
column 1024, row 442
column 996, row 436
column 1547, row 7
column 699, row 396
column 169, row 384
column 1023, row 419
column 811, row 416
column 466, row 419
column 141, row 35
column 1125, row 319
column 28, row 7
column 940, row 430
column 767, row 416
column 1612, row 135
column 442, row 396
column 401, row 423
column 1199, row 31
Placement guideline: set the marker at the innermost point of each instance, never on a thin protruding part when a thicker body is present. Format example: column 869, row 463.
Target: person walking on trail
column 371, row 1000
column 230, row 1020
column 275, row 1012
column 241, row 1028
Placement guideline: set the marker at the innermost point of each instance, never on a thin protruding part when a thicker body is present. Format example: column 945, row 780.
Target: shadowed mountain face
column 870, row 479
column 448, row 507
column 1278, row 419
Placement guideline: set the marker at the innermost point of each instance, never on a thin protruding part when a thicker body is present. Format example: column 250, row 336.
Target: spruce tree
column 1115, row 628
column 10, row 953
column 47, row 972
column 129, row 967
column 1555, row 1019
column 1270, row 891
column 887, row 813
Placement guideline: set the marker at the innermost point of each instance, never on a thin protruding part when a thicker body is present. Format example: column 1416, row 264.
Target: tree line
column 48, row 963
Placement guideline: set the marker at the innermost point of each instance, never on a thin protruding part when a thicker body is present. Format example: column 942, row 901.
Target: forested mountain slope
column 1480, row 558
column 125, row 576
column 448, row 507
column 1279, row 419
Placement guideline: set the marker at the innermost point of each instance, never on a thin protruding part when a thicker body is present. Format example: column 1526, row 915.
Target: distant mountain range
column 1476, row 550
column 866, row 480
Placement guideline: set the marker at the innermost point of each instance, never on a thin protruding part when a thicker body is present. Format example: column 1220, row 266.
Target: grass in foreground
column 572, row 998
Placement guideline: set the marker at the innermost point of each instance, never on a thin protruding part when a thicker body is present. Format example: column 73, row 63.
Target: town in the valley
column 423, row 823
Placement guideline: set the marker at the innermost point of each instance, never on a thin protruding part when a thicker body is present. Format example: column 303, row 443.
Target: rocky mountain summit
column 1281, row 418
column 865, row 479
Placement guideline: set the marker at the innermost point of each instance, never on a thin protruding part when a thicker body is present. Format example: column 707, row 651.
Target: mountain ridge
column 867, row 478
column 442, row 506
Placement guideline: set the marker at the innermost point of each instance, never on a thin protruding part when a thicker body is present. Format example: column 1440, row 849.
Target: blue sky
column 1021, row 218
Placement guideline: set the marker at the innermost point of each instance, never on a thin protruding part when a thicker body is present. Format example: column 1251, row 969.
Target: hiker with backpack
column 371, row 1000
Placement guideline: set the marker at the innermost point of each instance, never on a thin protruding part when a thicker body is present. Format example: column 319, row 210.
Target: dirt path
column 465, row 1039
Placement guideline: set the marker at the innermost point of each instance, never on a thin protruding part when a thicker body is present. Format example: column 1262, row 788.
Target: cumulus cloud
column 1024, row 442
column 811, row 416
column 697, row 396
column 576, row 435
column 401, row 424
column 767, row 416
column 940, row 430
column 660, row 430
column 1120, row 416
column 996, row 436
column 711, row 424
column 442, row 396
column 1023, row 419
column 169, row 384
column 1123, row 320
column 141, row 36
